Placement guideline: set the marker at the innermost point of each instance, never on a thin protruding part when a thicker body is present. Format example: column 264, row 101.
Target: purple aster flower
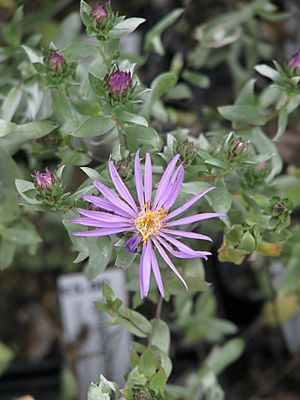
column 98, row 13
column 295, row 60
column 56, row 61
column 150, row 220
column 119, row 81
column 44, row 180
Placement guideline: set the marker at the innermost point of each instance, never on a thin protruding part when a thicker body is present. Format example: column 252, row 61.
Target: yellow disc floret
column 149, row 222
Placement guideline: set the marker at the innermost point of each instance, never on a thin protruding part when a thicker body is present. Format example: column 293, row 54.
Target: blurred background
column 38, row 354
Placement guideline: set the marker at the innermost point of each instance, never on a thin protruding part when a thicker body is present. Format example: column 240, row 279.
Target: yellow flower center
column 149, row 222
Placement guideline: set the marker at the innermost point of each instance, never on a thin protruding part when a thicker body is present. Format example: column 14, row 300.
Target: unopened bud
column 56, row 62
column 295, row 61
column 98, row 13
column 44, row 180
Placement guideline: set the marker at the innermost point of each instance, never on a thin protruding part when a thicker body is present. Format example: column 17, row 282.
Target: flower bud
column 98, row 13
column 124, row 169
column 295, row 61
column 119, row 82
column 235, row 148
column 187, row 152
column 56, row 62
column 44, row 180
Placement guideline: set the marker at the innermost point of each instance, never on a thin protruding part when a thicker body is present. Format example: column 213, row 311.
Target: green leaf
column 7, row 252
column 10, row 104
column 196, row 79
column 195, row 284
column 78, row 51
column 95, row 126
column 147, row 363
column 219, row 198
column 290, row 280
column 221, row 357
column 162, row 84
column 125, row 116
column 85, row 10
column 247, row 242
column 142, row 137
column 6, row 127
column 158, row 382
column 282, row 123
column 247, row 95
column 19, row 135
column 153, row 37
column 124, row 258
column 24, row 187
column 100, row 251
column 6, row 356
column 96, row 85
column 161, row 335
column 139, row 321
column 62, row 106
column 91, row 173
column 13, row 34
column 243, row 114
column 267, row 71
column 125, row 27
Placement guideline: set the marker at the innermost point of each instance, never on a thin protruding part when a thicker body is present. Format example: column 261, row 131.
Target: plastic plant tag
column 95, row 347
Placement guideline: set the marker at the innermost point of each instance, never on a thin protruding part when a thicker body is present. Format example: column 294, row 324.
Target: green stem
column 157, row 318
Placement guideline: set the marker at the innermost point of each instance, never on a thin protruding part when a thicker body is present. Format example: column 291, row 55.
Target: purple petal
column 194, row 218
column 169, row 189
column 145, row 268
column 148, row 178
column 102, row 232
column 99, row 224
column 165, row 180
column 175, row 190
column 183, row 247
column 168, row 261
column 102, row 216
column 138, row 179
column 113, row 198
column 192, row 235
column 182, row 254
column 189, row 203
column 104, row 204
column 142, row 289
column 132, row 244
column 121, row 188
column 156, row 271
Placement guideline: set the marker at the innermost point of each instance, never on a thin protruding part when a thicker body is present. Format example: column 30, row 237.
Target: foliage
column 65, row 114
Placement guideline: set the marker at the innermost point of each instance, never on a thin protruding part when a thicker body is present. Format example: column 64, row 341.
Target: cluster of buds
column 99, row 20
column 118, row 85
column 48, row 187
column 235, row 148
column 187, row 152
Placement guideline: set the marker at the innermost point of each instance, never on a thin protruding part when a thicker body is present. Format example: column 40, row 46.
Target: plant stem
column 157, row 318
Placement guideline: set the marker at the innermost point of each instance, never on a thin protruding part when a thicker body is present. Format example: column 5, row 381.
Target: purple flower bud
column 263, row 166
column 44, row 180
column 98, row 13
column 295, row 61
column 132, row 244
column 119, row 81
column 56, row 61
